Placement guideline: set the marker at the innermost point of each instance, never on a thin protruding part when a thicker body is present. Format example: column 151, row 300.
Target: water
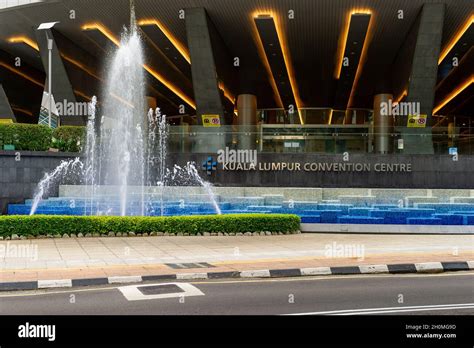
column 91, row 158
column 49, row 179
column 127, row 150
column 193, row 173
column 122, row 145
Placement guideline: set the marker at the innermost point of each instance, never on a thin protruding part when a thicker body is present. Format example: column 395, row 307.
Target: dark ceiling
column 311, row 36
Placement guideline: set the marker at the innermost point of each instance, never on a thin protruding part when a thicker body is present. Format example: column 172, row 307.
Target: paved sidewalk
column 38, row 259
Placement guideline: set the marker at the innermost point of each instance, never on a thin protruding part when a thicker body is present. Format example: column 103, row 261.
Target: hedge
column 35, row 137
column 26, row 137
column 42, row 225
column 68, row 138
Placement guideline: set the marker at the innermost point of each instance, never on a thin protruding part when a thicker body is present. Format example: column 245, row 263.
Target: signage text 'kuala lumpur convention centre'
column 318, row 167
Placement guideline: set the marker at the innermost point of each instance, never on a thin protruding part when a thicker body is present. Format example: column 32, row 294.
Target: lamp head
column 46, row 26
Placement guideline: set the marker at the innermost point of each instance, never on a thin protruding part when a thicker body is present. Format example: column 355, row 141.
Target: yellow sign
column 211, row 120
column 6, row 120
column 417, row 121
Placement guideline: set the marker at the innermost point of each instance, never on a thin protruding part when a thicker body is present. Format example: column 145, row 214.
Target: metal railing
column 331, row 139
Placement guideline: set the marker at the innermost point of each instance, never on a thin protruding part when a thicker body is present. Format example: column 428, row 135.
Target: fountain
column 128, row 148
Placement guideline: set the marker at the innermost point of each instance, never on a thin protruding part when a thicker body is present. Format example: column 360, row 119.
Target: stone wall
column 19, row 175
column 427, row 171
column 18, row 179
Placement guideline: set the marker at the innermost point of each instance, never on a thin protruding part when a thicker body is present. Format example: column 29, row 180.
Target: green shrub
column 50, row 224
column 35, row 137
column 26, row 137
column 69, row 138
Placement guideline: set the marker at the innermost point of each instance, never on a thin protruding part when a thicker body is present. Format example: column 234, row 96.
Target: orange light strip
column 343, row 41
column 263, row 57
column 103, row 30
column 330, row 116
column 82, row 94
column 29, row 42
column 403, row 95
column 227, row 93
column 181, row 49
column 455, row 39
column 25, row 40
column 27, row 112
column 154, row 73
column 454, row 93
column 170, row 86
column 8, row 67
column 176, row 43
column 363, row 55
column 286, row 58
column 81, row 66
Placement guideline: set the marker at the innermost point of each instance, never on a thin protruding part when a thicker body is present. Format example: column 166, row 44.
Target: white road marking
column 189, row 276
column 315, row 271
column 264, row 273
column 366, row 269
column 125, row 279
column 132, row 293
column 61, row 283
column 390, row 309
column 429, row 267
column 45, row 292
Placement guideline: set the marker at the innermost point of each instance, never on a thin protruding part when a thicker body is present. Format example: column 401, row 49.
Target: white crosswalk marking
column 133, row 293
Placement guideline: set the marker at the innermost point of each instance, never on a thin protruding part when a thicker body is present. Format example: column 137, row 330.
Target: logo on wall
column 209, row 165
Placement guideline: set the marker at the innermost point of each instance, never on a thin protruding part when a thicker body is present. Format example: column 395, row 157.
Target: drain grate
column 160, row 289
column 189, row 265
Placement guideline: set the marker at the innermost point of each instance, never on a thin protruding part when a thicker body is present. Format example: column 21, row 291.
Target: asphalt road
column 448, row 293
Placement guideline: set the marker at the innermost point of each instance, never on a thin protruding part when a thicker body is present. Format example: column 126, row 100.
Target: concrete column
column 247, row 120
column 6, row 111
column 203, row 66
column 451, row 134
column 205, row 82
column 424, row 75
column 383, row 124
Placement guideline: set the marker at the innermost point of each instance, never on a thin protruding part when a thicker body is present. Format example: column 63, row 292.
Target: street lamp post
column 47, row 26
column 50, row 83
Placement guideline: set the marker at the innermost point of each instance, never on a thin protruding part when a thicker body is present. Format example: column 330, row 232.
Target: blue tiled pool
column 310, row 212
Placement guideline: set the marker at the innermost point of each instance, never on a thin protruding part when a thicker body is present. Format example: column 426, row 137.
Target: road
column 447, row 293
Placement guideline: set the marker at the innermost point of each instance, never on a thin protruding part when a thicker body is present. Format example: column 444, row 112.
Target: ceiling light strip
column 154, row 73
column 343, row 42
column 176, row 43
column 455, row 39
column 27, row 41
column 363, row 54
column 8, row 67
column 454, row 94
column 263, row 57
column 286, row 58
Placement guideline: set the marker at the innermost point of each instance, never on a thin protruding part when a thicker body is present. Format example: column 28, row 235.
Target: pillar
column 383, row 124
column 247, row 120
column 5, row 109
column 451, row 134
column 424, row 75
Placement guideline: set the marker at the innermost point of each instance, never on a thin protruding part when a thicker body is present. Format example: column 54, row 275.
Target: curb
column 425, row 267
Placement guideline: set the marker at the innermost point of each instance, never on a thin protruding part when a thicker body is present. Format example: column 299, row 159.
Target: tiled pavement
column 74, row 258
